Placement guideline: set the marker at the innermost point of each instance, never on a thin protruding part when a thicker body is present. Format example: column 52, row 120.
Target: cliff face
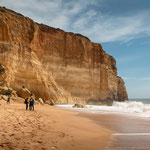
column 54, row 64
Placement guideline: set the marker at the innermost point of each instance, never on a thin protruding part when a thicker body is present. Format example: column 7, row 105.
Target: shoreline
column 129, row 132
column 49, row 128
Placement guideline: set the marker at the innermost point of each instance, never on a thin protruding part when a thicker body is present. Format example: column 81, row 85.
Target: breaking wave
column 129, row 107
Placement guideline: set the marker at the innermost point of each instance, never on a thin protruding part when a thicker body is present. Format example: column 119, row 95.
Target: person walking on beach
column 8, row 100
column 30, row 104
column 26, row 102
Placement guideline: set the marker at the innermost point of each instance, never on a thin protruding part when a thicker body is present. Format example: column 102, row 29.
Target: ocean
column 143, row 100
column 136, row 107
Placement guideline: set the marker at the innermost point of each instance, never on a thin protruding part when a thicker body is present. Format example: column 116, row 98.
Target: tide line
column 131, row 134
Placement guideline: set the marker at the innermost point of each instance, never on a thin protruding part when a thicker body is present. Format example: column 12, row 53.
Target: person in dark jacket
column 33, row 103
column 30, row 104
column 26, row 102
column 8, row 100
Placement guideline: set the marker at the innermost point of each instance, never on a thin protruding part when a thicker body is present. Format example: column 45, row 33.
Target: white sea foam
column 131, row 134
column 130, row 107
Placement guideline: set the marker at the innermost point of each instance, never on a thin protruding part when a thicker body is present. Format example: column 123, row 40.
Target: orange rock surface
column 54, row 64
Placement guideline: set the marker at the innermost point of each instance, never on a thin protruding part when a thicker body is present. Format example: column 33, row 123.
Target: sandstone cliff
column 54, row 64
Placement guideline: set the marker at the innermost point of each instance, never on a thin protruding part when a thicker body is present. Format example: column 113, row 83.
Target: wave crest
column 129, row 107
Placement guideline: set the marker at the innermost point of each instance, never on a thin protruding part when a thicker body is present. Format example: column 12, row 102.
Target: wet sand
column 131, row 133
column 48, row 128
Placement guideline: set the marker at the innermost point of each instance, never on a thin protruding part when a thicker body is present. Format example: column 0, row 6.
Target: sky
column 122, row 27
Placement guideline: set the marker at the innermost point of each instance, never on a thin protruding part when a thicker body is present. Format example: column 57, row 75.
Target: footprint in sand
column 5, row 131
column 61, row 134
column 40, row 141
column 12, row 134
column 17, row 138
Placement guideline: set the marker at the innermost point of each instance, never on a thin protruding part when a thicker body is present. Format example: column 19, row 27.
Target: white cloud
column 83, row 17
column 56, row 13
column 82, row 22
column 49, row 12
column 112, row 28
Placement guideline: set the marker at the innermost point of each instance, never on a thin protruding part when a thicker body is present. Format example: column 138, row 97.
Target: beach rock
column 23, row 93
column 4, row 97
column 5, row 90
column 40, row 101
column 47, row 102
column 79, row 106
column 17, row 99
column 50, row 102
column 14, row 93
column 55, row 64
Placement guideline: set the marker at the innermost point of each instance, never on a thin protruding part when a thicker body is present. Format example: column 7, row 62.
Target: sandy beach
column 48, row 128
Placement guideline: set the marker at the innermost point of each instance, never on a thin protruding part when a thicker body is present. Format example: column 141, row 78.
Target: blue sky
column 122, row 27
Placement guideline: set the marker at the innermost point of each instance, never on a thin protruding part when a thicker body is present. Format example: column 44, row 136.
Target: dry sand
column 48, row 128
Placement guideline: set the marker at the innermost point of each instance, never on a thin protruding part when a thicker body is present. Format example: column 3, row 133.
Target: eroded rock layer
column 54, row 64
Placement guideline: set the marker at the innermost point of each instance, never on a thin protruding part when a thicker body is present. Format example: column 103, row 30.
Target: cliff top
column 6, row 10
